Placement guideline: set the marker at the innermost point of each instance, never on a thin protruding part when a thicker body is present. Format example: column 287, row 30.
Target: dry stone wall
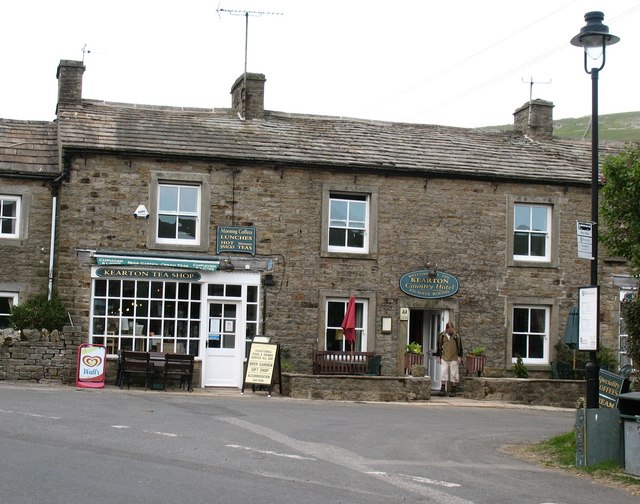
column 40, row 355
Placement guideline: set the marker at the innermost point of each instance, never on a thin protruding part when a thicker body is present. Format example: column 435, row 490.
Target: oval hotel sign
column 420, row 284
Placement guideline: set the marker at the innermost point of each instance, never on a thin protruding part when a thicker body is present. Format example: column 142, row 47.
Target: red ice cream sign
column 91, row 362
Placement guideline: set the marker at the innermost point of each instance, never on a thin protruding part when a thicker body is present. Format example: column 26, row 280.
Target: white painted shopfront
column 176, row 307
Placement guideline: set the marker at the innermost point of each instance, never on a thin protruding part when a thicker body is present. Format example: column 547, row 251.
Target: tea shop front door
column 224, row 346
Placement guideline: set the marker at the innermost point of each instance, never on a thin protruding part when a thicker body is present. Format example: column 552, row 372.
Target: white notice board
column 589, row 301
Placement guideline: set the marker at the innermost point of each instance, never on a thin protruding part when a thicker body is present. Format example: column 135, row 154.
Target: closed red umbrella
column 349, row 321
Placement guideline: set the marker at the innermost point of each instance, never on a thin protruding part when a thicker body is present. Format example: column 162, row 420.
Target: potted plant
column 414, row 348
column 476, row 360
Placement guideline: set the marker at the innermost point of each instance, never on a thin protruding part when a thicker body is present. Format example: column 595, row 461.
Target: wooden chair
column 179, row 366
column 137, row 364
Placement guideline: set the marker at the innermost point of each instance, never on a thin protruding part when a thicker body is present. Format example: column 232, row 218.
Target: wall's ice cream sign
column 91, row 365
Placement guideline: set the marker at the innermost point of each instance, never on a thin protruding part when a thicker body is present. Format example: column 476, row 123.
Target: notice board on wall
column 263, row 366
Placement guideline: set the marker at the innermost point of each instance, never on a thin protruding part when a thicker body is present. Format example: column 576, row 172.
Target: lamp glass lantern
column 594, row 37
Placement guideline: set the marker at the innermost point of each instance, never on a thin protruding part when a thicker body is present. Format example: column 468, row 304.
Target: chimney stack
column 535, row 119
column 69, row 77
column 247, row 96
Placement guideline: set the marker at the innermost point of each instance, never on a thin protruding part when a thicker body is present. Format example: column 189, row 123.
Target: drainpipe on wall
column 54, row 219
column 54, row 207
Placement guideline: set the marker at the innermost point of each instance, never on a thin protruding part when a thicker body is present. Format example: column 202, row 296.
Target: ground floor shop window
column 530, row 336
column 146, row 315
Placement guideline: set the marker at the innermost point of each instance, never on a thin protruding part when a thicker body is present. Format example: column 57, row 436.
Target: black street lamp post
column 594, row 37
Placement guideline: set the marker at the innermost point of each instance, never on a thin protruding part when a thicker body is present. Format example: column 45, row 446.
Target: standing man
column 449, row 354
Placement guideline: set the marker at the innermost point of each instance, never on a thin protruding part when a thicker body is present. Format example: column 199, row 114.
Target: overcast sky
column 457, row 63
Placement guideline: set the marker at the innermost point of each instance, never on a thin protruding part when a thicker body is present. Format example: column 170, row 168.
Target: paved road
column 65, row 445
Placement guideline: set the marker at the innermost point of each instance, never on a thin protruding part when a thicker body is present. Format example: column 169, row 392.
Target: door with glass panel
column 224, row 345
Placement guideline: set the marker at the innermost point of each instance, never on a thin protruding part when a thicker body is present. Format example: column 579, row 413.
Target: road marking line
column 35, row 415
column 418, row 479
column 269, row 452
column 166, row 434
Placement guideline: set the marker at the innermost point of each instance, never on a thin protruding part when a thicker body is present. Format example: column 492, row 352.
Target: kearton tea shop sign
column 428, row 284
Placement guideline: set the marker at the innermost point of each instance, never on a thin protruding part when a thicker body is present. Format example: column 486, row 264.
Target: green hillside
column 624, row 127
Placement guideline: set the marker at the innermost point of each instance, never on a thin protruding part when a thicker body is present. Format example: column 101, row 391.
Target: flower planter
column 476, row 363
column 410, row 360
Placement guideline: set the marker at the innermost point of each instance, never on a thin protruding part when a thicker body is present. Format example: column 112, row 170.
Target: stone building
column 193, row 230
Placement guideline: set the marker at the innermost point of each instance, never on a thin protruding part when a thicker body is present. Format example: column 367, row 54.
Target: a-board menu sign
column 263, row 366
column 91, row 365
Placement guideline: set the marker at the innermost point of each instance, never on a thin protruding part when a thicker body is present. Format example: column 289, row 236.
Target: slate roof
column 329, row 142
column 294, row 139
column 28, row 147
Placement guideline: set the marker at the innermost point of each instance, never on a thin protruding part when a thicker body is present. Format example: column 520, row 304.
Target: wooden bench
column 345, row 363
column 156, row 367
column 134, row 364
column 179, row 367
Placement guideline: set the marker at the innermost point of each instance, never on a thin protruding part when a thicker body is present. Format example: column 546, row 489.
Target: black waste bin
column 629, row 406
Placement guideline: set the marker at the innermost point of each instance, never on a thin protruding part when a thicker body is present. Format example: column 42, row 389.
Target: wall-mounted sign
column 236, row 239
column 423, row 284
column 167, row 262
column 185, row 276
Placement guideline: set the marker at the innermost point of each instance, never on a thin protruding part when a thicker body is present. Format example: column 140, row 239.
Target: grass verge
column 560, row 452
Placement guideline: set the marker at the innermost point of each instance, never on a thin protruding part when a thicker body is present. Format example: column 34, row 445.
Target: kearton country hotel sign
column 429, row 284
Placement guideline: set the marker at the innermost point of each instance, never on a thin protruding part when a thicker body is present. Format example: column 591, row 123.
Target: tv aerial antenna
column 531, row 82
column 246, row 14
column 85, row 51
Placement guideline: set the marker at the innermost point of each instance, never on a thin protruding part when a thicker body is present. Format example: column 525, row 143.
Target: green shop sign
column 236, row 239
column 166, row 262
column 423, row 284
column 185, row 276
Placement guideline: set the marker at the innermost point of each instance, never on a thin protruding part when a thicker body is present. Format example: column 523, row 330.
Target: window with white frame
column 349, row 223
column 530, row 334
column 9, row 216
column 7, row 301
column 334, row 336
column 178, row 214
column 146, row 315
column 531, row 232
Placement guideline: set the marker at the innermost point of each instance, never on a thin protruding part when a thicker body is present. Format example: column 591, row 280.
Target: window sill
column 532, row 264
column 349, row 255
column 177, row 247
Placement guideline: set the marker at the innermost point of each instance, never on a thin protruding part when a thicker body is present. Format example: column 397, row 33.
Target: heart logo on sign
column 91, row 360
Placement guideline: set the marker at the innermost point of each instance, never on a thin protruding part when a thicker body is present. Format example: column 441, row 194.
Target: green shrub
column 38, row 312
column 519, row 369
column 631, row 314
column 607, row 358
